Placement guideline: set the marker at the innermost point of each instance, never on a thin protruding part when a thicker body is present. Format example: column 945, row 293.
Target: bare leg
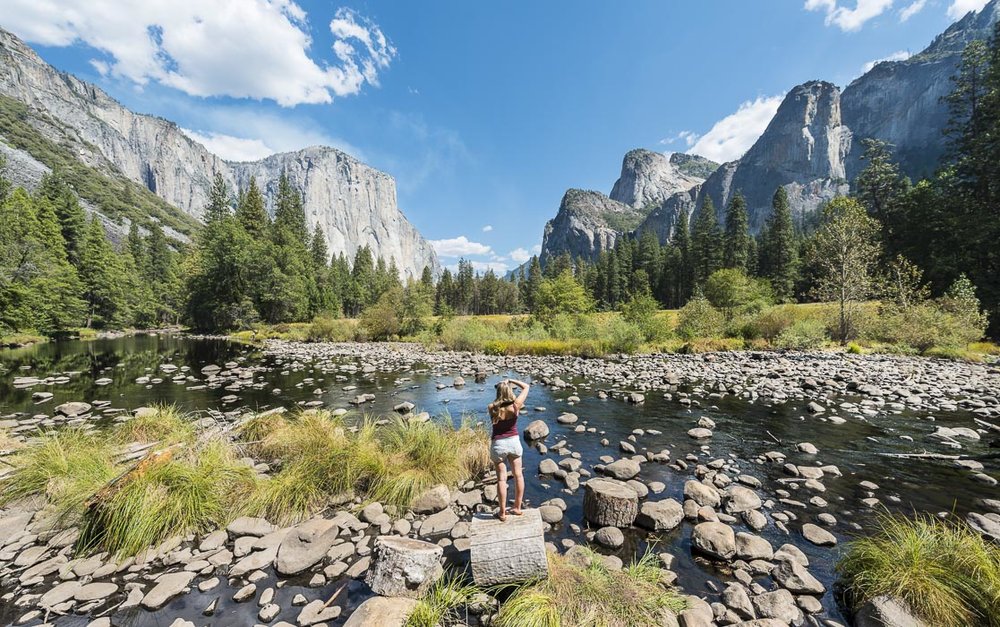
column 515, row 464
column 502, row 489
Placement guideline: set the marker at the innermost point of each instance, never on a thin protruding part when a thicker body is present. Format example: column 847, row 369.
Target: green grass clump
column 319, row 458
column 946, row 573
column 187, row 490
column 441, row 605
column 66, row 467
column 585, row 593
column 166, row 424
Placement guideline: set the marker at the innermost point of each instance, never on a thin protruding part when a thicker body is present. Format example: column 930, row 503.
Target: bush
column 698, row 318
column 562, row 294
column 731, row 291
column 925, row 326
column 328, row 329
column 803, row 334
column 623, row 336
column 945, row 572
column 641, row 311
column 770, row 322
column 383, row 320
column 467, row 334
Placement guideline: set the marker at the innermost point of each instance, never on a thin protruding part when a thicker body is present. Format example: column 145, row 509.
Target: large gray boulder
column 382, row 612
column 536, row 430
column 305, row 545
column 660, row 515
column 884, row 611
column 404, row 567
column 715, row 539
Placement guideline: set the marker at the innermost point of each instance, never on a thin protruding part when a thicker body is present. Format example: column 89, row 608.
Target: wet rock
column 610, row 537
column 73, row 409
column 736, row 598
column 753, row 547
column 795, row 578
column 660, row 515
column 702, row 494
column 248, row 591
column 739, row 499
column 700, row 433
column 167, row 587
column 315, row 612
column 714, row 539
column 248, row 526
column 818, row 536
column 536, row 430
column 622, row 469
column 551, row 514
column 548, row 467
column 567, row 419
column 790, row 552
column 779, row 605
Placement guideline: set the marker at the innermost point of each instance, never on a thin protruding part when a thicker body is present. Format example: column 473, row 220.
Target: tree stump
column 509, row 551
column 610, row 503
column 403, row 567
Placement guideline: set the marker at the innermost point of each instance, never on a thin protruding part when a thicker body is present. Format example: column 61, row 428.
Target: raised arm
column 523, row 396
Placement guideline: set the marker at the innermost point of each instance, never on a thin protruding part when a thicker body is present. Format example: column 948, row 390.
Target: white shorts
column 505, row 448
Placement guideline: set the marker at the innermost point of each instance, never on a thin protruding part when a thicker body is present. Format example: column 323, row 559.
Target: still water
column 744, row 431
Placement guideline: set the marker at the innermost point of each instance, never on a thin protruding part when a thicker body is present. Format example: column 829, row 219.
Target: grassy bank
column 191, row 481
column 695, row 329
column 947, row 574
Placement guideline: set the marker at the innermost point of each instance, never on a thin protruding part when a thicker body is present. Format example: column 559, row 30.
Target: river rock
column 795, row 578
column 167, row 587
column 622, row 469
column 73, row 409
column 381, row 612
column 536, row 430
column 607, row 502
column 439, row 523
column 700, row 433
column 314, row 612
column 714, row 539
column 740, row 499
column 611, row 537
column 736, row 598
column 403, row 567
column 779, row 605
column 884, row 611
column 305, row 545
column 432, row 500
column 249, row 526
column 818, row 536
column 567, row 419
column 702, row 494
column 660, row 515
column 752, row 547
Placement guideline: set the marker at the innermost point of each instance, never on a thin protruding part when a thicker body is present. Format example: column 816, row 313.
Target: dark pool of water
column 745, row 430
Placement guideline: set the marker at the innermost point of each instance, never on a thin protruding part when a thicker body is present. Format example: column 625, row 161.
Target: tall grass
column 588, row 594
column 193, row 489
column 442, row 603
column 945, row 572
column 319, row 457
column 165, row 424
column 66, row 467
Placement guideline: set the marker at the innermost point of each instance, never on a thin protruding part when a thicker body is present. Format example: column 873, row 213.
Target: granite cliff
column 353, row 203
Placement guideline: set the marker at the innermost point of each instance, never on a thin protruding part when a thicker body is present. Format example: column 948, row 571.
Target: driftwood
column 924, row 455
column 988, row 425
column 137, row 470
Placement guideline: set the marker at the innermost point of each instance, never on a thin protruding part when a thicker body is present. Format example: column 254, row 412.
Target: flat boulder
column 818, row 536
column 305, row 546
column 660, row 515
column 249, row 526
column 886, row 611
column 167, row 587
column 433, row 500
column 714, row 539
column 795, row 578
column 382, row 612
column 622, row 469
column 73, row 409
column 439, row 523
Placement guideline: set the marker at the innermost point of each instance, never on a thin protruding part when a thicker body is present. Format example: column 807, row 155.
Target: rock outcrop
column 587, row 224
column 648, row 178
column 353, row 203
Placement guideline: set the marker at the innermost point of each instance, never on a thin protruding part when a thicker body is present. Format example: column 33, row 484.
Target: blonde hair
column 505, row 398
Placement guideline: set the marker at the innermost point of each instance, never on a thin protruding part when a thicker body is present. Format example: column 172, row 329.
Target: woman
column 506, row 444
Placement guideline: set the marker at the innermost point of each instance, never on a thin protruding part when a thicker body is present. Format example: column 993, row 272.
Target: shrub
column 623, row 336
column 698, row 318
column 770, row 322
column 562, row 294
column 641, row 311
column 581, row 591
column 383, row 320
column 731, row 291
column 165, row 424
column 803, row 334
column 441, row 604
column 927, row 325
column 328, row 329
column 945, row 572
column 467, row 334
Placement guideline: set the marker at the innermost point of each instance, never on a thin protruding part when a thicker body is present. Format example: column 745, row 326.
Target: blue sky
column 485, row 113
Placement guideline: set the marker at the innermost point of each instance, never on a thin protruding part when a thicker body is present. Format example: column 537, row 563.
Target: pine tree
column 218, row 199
column 684, row 277
column 706, row 243
column 532, row 282
column 72, row 219
column 737, row 238
column 880, row 187
column 251, row 211
column 135, row 244
column 103, row 276
column 289, row 213
column 779, row 250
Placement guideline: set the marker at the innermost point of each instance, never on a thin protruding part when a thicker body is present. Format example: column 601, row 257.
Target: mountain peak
column 648, row 178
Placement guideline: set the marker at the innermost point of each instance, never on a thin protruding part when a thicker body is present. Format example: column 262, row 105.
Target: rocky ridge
column 354, row 203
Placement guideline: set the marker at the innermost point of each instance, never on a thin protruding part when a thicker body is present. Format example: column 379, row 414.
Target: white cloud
column 849, row 19
column 911, row 9
column 459, row 246
column 487, row 228
column 520, row 255
column 733, row 135
column 239, row 48
column 959, row 8
column 688, row 137
column 483, row 266
column 899, row 55
column 239, row 134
